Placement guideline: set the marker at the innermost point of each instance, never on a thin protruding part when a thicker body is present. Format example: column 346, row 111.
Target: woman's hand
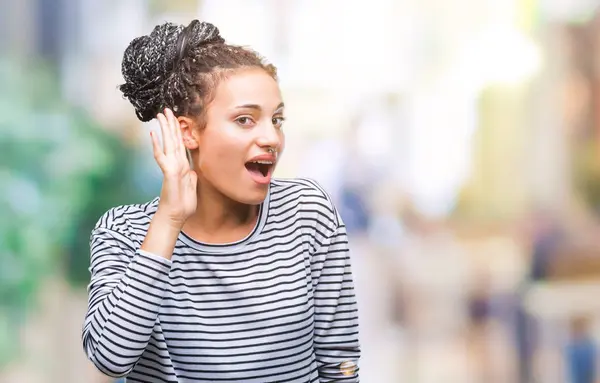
column 178, row 196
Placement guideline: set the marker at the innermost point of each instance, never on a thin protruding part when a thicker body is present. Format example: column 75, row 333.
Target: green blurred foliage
column 59, row 171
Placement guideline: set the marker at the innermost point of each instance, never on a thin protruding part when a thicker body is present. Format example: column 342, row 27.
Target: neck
column 218, row 218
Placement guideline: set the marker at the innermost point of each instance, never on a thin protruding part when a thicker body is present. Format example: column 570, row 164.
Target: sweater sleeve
column 336, row 316
column 124, row 298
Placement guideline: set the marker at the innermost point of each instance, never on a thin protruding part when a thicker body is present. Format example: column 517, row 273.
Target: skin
column 215, row 200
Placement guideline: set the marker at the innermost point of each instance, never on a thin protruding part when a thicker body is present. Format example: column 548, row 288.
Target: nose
column 269, row 137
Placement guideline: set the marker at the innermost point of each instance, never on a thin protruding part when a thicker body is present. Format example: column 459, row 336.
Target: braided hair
column 179, row 67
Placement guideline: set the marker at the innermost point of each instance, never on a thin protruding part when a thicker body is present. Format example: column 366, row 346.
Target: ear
column 188, row 133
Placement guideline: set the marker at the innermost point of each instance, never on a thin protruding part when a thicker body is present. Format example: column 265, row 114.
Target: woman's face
column 238, row 148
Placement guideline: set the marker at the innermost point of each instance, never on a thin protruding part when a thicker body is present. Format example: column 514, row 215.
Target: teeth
column 263, row 162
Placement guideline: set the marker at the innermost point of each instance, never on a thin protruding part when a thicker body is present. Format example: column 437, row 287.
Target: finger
column 178, row 135
column 180, row 149
column 166, row 134
column 179, row 138
column 173, row 125
column 158, row 153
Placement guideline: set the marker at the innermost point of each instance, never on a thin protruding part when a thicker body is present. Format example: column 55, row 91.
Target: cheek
column 219, row 151
column 281, row 143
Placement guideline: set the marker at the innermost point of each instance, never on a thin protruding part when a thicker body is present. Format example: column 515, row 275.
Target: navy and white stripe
column 278, row 306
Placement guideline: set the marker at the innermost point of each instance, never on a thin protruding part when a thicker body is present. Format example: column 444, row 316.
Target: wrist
column 166, row 221
column 162, row 235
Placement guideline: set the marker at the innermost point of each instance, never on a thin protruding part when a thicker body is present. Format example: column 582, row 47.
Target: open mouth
column 260, row 169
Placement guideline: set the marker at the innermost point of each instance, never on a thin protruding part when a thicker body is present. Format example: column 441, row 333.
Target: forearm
column 336, row 340
column 119, row 323
column 126, row 294
column 337, row 346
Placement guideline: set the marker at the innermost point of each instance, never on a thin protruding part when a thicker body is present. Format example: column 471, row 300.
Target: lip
column 264, row 157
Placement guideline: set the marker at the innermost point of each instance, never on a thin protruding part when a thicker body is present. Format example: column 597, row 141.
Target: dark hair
column 179, row 67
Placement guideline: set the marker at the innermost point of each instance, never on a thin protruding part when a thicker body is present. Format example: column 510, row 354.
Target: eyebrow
column 257, row 107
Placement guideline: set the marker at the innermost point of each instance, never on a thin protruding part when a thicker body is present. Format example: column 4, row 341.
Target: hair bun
column 203, row 33
column 149, row 61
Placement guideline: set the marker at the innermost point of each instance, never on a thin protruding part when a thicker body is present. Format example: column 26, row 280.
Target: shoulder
column 127, row 220
column 308, row 196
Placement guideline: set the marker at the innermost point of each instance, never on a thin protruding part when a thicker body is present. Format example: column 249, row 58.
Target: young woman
column 230, row 275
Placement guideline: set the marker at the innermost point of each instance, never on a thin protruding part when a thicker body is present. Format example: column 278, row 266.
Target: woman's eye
column 278, row 121
column 244, row 121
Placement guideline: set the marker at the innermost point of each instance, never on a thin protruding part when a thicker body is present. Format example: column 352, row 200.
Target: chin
column 247, row 193
column 253, row 197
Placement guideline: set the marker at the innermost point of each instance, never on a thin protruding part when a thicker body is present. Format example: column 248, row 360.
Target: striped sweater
column 277, row 306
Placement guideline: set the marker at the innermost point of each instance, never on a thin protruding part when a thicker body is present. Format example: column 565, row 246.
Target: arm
column 336, row 315
column 127, row 286
column 125, row 294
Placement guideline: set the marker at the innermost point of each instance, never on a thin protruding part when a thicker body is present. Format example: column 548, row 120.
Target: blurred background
column 459, row 139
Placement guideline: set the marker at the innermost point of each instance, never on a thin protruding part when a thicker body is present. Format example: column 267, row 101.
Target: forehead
column 249, row 86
